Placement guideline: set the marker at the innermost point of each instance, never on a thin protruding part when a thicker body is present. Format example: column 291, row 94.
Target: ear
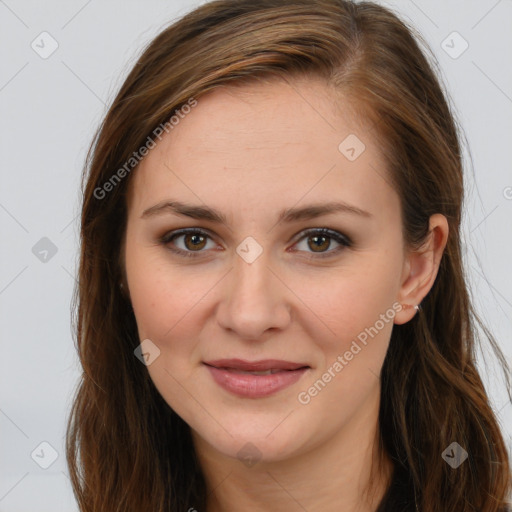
column 421, row 267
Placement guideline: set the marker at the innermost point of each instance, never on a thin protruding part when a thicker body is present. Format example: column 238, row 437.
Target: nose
column 254, row 300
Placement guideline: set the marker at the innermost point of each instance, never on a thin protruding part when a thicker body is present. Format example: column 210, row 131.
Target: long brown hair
column 127, row 450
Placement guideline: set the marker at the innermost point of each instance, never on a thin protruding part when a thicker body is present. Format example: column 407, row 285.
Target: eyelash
column 343, row 240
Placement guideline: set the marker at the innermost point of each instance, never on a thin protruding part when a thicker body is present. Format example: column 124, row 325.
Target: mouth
column 255, row 379
column 254, row 372
column 262, row 367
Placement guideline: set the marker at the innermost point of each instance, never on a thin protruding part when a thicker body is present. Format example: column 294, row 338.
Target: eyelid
column 337, row 236
column 331, row 233
column 343, row 240
column 171, row 235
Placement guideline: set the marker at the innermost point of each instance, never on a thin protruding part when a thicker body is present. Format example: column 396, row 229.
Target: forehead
column 275, row 141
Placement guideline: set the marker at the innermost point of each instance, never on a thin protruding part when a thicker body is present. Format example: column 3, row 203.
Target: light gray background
column 50, row 109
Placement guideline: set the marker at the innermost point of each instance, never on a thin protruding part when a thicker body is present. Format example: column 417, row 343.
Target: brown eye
column 189, row 242
column 194, row 241
column 319, row 243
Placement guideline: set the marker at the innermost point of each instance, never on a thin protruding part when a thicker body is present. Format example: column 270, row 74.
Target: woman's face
column 262, row 284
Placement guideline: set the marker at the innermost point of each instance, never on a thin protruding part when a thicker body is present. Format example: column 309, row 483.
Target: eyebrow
column 287, row 215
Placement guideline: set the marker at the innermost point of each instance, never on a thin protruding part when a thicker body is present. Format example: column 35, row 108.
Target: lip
column 228, row 374
column 263, row 364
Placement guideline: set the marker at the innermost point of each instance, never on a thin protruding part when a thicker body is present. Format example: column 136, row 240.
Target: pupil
column 196, row 240
column 319, row 246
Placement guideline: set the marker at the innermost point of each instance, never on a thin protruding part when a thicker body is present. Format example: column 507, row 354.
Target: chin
column 252, row 442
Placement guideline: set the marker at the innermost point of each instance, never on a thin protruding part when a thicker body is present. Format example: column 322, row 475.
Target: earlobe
column 421, row 268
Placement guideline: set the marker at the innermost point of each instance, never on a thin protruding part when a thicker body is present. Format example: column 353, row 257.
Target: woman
column 272, row 309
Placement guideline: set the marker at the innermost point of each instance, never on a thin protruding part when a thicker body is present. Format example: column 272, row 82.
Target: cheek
column 168, row 304
column 360, row 312
column 357, row 306
column 151, row 292
column 352, row 300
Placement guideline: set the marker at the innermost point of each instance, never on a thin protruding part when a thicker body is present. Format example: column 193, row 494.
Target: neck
column 346, row 473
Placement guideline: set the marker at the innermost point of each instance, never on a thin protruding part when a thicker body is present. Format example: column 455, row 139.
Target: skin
column 249, row 152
